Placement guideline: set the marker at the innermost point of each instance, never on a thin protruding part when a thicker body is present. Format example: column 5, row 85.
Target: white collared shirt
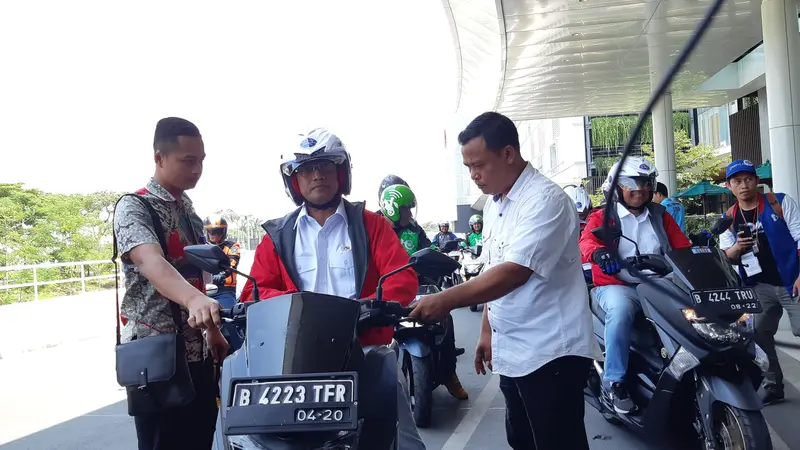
column 324, row 255
column 536, row 226
column 639, row 229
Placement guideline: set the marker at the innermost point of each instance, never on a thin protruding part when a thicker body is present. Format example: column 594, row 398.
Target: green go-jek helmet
column 475, row 219
column 394, row 198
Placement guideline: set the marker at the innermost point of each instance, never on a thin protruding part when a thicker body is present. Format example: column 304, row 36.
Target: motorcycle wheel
column 737, row 429
column 419, row 373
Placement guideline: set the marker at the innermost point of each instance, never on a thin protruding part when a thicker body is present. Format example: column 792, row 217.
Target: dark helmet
column 318, row 145
column 216, row 224
column 390, row 180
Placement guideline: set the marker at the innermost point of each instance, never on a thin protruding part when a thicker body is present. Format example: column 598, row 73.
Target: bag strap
column 775, row 204
column 159, row 231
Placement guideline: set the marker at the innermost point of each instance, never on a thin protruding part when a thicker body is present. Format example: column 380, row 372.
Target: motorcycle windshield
column 703, row 268
column 300, row 333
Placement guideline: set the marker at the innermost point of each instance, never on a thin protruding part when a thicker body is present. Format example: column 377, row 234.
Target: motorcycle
column 302, row 380
column 451, row 249
column 234, row 335
column 694, row 369
column 471, row 265
column 420, row 358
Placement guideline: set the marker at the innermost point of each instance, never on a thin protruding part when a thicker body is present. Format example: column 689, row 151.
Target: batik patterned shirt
column 144, row 310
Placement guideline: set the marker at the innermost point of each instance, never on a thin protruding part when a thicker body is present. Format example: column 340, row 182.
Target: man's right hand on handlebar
column 608, row 264
column 203, row 312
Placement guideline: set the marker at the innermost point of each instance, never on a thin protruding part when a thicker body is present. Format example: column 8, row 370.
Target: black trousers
column 190, row 427
column 544, row 409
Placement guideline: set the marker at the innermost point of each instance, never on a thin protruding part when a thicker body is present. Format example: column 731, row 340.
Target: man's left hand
column 217, row 343
column 430, row 307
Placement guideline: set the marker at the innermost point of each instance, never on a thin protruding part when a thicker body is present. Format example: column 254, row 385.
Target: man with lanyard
column 217, row 232
column 331, row 246
column 397, row 204
column 765, row 246
column 153, row 280
column 673, row 207
column 536, row 330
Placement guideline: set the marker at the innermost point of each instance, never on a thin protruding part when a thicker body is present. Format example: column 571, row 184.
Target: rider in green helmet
column 397, row 204
column 475, row 237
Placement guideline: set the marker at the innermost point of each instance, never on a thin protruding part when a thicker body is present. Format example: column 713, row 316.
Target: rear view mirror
column 450, row 246
column 721, row 225
column 209, row 258
column 432, row 264
column 607, row 234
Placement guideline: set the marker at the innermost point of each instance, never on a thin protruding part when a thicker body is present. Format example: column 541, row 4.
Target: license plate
column 291, row 405
column 717, row 302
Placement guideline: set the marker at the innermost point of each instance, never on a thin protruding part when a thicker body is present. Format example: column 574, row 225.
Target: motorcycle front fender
column 742, row 395
column 415, row 347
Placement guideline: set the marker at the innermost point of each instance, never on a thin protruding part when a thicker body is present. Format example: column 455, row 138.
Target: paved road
column 66, row 398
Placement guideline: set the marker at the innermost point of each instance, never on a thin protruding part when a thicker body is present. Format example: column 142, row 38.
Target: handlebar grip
column 226, row 313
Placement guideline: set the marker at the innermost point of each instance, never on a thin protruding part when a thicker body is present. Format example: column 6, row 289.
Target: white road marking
column 463, row 432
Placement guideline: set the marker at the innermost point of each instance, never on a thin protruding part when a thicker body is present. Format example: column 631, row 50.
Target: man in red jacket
column 655, row 232
column 331, row 246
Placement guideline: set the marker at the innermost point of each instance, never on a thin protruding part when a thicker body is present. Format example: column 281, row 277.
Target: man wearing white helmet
column 655, row 231
column 331, row 246
column 583, row 203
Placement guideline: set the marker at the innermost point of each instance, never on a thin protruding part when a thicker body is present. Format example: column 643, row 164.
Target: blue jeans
column 621, row 304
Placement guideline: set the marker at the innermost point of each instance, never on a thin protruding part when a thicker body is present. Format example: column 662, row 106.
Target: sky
column 84, row 83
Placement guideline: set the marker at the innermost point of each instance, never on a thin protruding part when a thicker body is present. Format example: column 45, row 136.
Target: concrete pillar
column 663, row 127
column 664, row 143
column 763, row 124
column 782, row 61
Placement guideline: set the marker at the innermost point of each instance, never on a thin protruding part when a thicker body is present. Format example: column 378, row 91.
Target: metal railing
column 4, row 286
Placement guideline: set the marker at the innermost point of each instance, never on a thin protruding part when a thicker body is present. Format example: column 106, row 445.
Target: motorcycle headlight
column 732, row 333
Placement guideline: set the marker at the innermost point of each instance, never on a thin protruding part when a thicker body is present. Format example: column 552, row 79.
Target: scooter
column 451, row 249
column 302, row 380
column 420, row 358
column 471, row 265
column 234, row 335
column 694, row 369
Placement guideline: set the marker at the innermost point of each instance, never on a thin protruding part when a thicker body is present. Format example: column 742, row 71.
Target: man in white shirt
column 537, row 330
column 331, row 246
column 655, row 232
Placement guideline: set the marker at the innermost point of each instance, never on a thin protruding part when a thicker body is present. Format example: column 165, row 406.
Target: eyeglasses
column 323, row 167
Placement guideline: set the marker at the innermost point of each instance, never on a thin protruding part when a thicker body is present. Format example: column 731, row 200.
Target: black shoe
column 771, row 395
column 460, row 351
column 623, row 404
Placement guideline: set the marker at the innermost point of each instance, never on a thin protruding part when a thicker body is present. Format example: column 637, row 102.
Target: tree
column 38, row 227
column 692, row 163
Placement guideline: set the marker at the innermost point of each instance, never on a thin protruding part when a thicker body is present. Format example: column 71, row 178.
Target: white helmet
column 318, row 145
column 635, row 167
column 580, row 197
column 636, row 174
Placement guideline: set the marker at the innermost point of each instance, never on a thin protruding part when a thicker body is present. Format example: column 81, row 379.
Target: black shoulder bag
column 153, row 369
